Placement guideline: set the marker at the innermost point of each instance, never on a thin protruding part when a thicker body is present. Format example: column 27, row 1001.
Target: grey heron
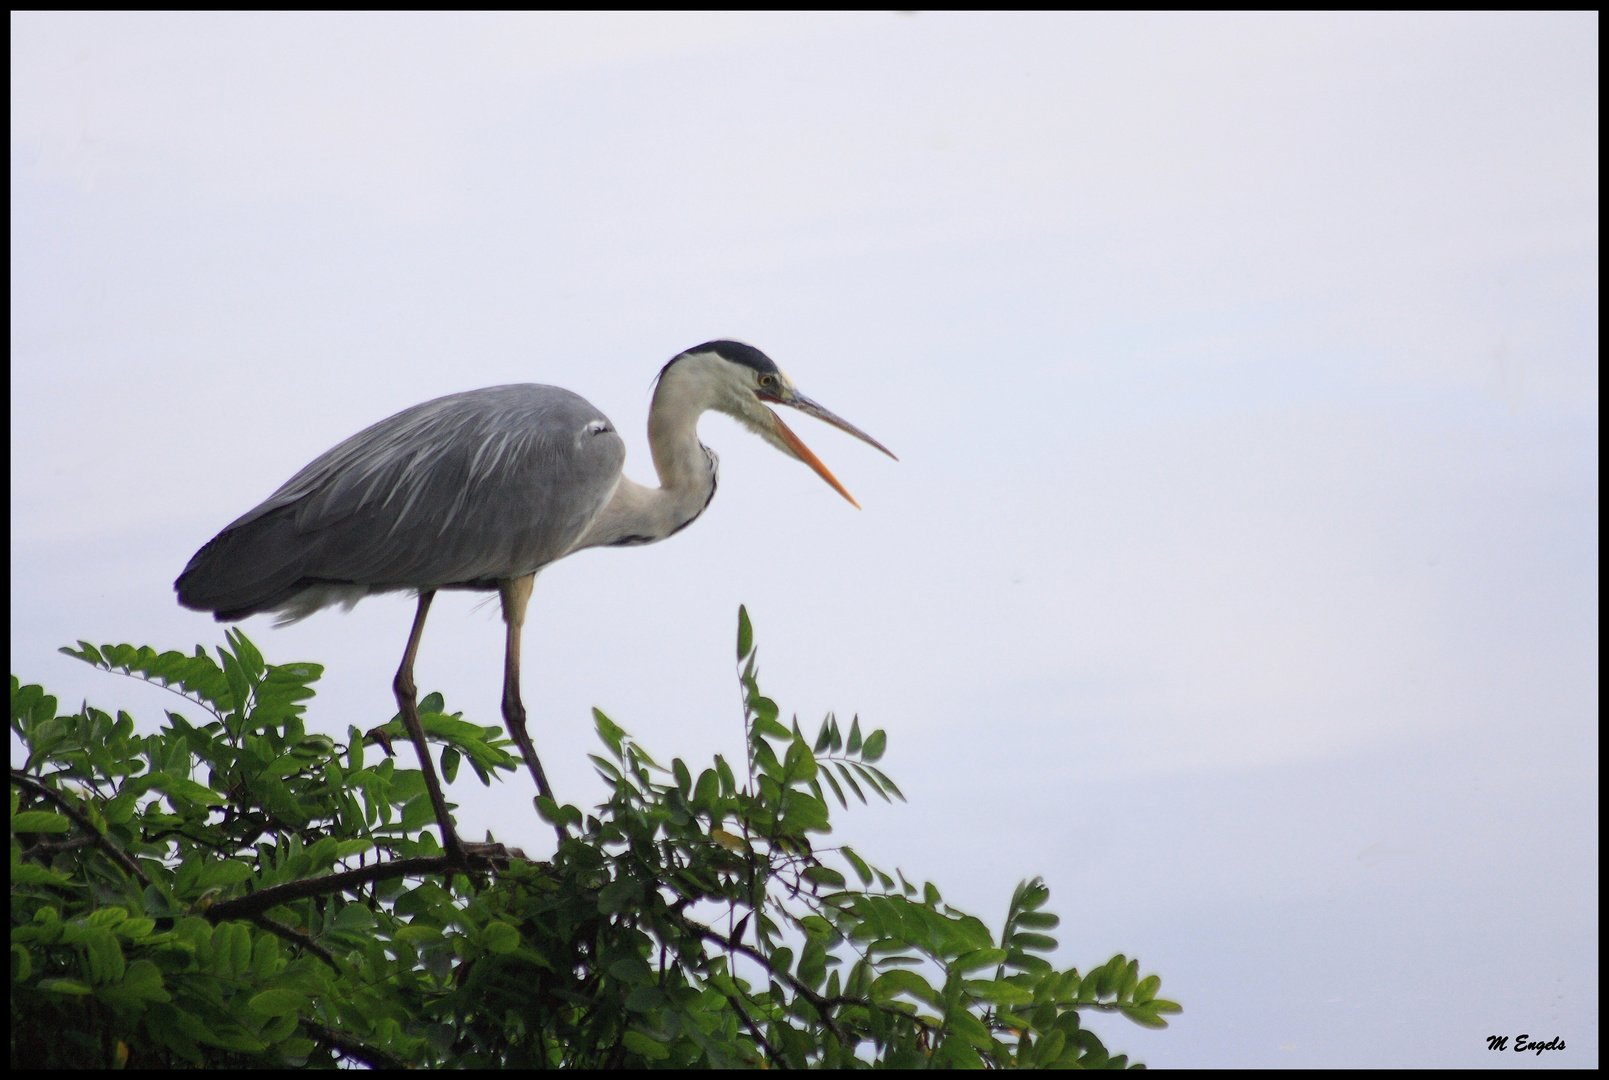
column 481, row 490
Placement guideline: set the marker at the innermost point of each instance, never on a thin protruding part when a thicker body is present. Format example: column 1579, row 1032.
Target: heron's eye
column 768, row 380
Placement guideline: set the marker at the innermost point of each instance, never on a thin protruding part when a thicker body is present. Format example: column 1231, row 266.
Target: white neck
column 638, row 514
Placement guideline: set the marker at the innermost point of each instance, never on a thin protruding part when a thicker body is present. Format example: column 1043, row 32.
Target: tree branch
column 754, row 1030
column 371, row 1056
column 100, row 839
column 820, row 1004
column 297, row 938
column 253, row 904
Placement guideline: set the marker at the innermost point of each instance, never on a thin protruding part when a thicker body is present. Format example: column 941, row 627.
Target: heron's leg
column 516, row 595
column 408, row 703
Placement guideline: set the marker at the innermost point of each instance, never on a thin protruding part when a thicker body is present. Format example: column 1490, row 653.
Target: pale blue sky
column 1239, row 573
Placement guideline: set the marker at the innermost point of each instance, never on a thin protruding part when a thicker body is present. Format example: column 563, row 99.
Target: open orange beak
column 803, row 452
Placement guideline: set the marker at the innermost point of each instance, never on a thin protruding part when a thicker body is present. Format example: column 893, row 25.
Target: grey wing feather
column 464, row 490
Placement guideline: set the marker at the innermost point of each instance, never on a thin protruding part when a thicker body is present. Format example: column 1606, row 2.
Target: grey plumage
column 463, row 491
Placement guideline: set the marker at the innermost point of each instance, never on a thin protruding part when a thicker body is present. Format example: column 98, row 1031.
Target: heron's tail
column 257, row 566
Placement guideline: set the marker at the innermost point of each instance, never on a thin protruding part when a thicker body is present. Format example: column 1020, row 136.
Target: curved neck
column 637, row 514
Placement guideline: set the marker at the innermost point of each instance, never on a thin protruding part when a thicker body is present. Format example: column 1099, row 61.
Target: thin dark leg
column 407, row 701
column 514, row 711
column 516, row 595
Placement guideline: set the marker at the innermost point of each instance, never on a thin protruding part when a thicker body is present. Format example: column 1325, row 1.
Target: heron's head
column 741, row 381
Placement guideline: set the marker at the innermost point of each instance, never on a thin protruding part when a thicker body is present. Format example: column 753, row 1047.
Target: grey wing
column 465, row 490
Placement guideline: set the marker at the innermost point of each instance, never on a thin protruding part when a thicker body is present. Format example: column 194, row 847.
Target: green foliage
column 240, row 892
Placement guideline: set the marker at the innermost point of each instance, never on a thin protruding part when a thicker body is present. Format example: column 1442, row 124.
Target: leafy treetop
column 239, row 891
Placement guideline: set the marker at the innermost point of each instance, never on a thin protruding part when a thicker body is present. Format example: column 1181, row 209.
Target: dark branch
column 297, row 938
column 53, row 847
column 100, row 839
column 754, row 1030
column 256, row 903
column 371, row 1056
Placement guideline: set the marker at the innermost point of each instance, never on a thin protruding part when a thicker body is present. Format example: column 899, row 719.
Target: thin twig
column 130, row 673
column 295, row 937
column 822, row 1005
column 101, row 840
column 748, row 1022
column 53, row 847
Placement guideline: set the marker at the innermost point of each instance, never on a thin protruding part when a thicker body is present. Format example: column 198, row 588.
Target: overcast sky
column 1239, row 572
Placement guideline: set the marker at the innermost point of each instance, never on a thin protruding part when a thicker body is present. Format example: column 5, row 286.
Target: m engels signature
column 1522, row 1043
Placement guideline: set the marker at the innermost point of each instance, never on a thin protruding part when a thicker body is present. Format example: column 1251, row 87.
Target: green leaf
column 978, row 959
column 1130, row 979
column 645, row 998
column 970, row 1028
column 708, row 788
column 764, row 725
column 40, row 821
column 144, row 981
column 901, row 981
column 823, row 737
column 64, row 986
column 639, row 1043
column 417, row 812
column 871, row 782
column 1144, row 1015
column 843, row 770
column 799, row 764
column 608, row 731
column 803, row 811
column 874, row 746
column 500, row 937
column 999, row 992
column 886, row 782
column 826, row 774
column 22, row 965
column 631, row 969
column 348, row 848
column 862, row 871
column 295, row 1051
column 239, row 948
column 1032, row 895
column 1050, row 1048
column 106, row 918
column 745, row 636
column 278, row 1002
column 1036, row 942
column 354, row 751
column 223, row 872
column 352, row 917
column 823, row 875
column 177, row 787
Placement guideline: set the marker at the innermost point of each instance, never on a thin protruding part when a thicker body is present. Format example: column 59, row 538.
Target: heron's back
column 464, row 491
